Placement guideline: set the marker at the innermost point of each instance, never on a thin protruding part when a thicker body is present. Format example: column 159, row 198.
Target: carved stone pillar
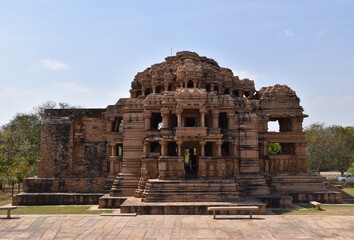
column 218, row 144
column 179, row 148
column 180, row 161
column 231, row 120
column 165, row 115
column 163, row 144
column 202, row 146
column 179, row 117
column 147, row 116
column 112, row 159
column 146, row 150
column 153, row 88
column 202, row 118
column 166, row 86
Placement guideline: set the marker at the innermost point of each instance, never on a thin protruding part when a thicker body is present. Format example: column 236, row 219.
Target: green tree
column 274, row 148
column 20, row 144
column 329, row 148
column 343, row 153
column 19, row 148
column 320, row 141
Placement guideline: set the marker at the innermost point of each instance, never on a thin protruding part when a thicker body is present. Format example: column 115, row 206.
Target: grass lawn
column 342, row 210
column 349, row 191
column 5, row 198
column 55, row 210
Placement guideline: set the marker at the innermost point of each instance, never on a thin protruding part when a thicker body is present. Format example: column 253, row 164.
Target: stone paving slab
column 176, row 227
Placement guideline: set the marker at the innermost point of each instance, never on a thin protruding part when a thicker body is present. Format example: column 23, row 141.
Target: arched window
column 147, row 91
column 158, row 89
column 138, row 93
column 207, row 87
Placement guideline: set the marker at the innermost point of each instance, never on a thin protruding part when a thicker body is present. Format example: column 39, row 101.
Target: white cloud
column 287, row 33
column 53, row 64
column 72, row 86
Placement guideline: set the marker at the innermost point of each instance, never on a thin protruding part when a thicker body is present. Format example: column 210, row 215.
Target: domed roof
column 186, row 66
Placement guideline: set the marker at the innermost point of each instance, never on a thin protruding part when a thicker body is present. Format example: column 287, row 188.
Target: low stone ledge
column 28, row 199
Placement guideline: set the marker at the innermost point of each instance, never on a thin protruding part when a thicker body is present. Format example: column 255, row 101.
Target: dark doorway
column 191, row 162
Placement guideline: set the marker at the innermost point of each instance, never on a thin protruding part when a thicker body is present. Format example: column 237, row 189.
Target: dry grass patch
column 341, row 210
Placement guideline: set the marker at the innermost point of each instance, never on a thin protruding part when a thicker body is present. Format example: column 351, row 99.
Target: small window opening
column 173, row 121
column 138, row 93
column 208, row 149
column 216, row 88
column 158, row 89
column 147, row 91
column 118, row 125
column 273, row 126
column 274, row 148
column 172, row 149
column 190, row 84
column 155, row 147
column 207, row 87
column 119, row 149
column 223, row 121
column 227, row 91
column 247, row 94
column 191, row 122
column 156, row 121
column 225, row 149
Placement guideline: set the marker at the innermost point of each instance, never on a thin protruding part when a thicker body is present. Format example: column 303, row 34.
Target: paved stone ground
column 176, row 227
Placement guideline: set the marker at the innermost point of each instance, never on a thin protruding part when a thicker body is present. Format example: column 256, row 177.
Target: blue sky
column 87, row 52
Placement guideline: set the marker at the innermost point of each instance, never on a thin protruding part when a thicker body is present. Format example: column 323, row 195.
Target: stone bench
column 317, row 205
column 8, row 208
column 236, row 208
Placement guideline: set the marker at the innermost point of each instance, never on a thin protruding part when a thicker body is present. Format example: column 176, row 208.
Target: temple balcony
column 191, row 132
column 151, row 133
column 283, row 163
column 114, row 136
column 284, row 137
column 213, row 131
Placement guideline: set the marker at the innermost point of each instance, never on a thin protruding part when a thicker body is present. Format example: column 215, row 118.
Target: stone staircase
column 108, row 184
column 345, row 196
column 299, row 182
column 253, row 184
column 124, row 185
column 191, row 191
column 249, row 166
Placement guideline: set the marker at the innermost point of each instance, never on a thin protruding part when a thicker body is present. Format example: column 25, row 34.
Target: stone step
column 190, row 190
column 124, row 185
column 253, row 184
column 297, row 183
column 190, row 197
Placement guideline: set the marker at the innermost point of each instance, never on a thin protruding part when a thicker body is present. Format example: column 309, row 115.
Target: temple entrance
column 191, row 162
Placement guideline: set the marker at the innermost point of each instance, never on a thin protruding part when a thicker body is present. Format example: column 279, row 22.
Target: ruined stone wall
column 73, row 144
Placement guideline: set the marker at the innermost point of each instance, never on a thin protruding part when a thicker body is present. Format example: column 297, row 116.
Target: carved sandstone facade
column 187, row 120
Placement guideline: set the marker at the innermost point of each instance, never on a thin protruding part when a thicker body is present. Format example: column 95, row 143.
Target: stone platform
column 135, row 205
column 156, row 227
column 28, row 199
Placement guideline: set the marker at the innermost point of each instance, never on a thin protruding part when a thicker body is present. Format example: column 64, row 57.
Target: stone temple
column 191, row 135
